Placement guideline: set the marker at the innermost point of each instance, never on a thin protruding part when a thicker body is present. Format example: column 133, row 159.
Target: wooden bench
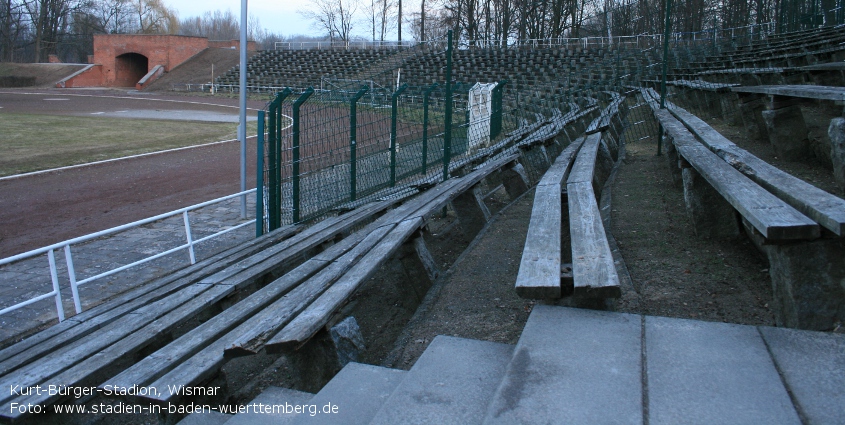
column 86, row 349
column 541, row 269
column 782, row 121
column 290, row 310
column 804, row 261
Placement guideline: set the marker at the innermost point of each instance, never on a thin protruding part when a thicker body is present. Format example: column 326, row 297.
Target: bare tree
column 336, row 17
column 12, row 28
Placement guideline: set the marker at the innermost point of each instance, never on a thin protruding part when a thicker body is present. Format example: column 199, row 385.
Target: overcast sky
column 278, row 16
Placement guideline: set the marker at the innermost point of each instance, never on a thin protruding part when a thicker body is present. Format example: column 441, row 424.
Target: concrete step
column 706, row 373
column 451, row 383
column 812, row 365
column 205, row 418
column 353, row 396
column 274, row 406
column 573, row 366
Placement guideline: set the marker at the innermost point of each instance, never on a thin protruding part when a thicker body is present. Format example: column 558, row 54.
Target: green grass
column 39, row 142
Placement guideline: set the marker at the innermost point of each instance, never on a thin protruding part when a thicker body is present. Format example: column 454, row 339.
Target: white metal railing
column 346, row 45
column 66, row 246
column 761, row 30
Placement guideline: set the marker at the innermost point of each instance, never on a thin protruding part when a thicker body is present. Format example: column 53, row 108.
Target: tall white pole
column 242, row 93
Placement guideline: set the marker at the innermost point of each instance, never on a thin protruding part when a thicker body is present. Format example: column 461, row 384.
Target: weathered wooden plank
column 208, row 361
column 92, row 319
column 251, row 340
column 585, row 162
column 539, row 268
column 157, row 364
column 823, row 207
column 279, row 255
column 309, row 322
column 104, row 360
column 805, row 91
column 181, row 350
column 593, row 269
column 772, row 217
column 60, row 360
column 555, row 174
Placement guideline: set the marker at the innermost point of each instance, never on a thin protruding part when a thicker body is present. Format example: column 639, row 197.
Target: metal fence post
column 295, row 175
column 259, row 178
column 272, row 165
column 666, row 32
column 274, row 156
column 353, row 124
column 426, row 95
column 394, row 101
column 447, row 134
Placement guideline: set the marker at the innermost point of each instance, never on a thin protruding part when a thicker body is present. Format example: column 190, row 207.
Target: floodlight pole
column 242, row 97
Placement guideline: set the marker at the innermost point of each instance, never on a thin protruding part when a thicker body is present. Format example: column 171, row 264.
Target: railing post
column 353, row 146
column 71, row 273
column 295, row 177
column 447, row 133
column 426, row 95
column 394, row 106
column 189, row 237
column 259, row 178
column 54, row 277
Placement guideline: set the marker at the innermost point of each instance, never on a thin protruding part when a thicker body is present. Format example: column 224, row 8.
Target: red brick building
column 122, row 60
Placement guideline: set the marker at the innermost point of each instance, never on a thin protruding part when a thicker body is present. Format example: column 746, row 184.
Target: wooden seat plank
column 804, row 91
column 593, row 269
column 92, row 319
column 208, row 360
column 82, row 373
column 823, row 207
column 316, row 315
column 539, row 268
column 62, row 359
column 772, row 217
column 318, row 267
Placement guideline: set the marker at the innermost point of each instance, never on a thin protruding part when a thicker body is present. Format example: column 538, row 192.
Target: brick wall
column 166, row 50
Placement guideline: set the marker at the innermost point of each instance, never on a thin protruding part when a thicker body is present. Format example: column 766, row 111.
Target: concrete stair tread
column 271, row 397
column 812, row 365
column 705, row 372
column 573, row 366
column 358, row 391
column 451, row 383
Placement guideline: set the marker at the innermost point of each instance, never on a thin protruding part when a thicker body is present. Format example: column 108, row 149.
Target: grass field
column 39, row 142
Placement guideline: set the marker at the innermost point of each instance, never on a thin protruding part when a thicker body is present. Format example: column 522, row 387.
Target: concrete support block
column 808, row 281
column 711, row 215
column 471, row 212
column 750, row 109
column 515, row 180
column 672, row 160
column 348, row 341
column 604, row 165
column 728, row 103
column 420, row 270
column 787, row 132
column 836, row 133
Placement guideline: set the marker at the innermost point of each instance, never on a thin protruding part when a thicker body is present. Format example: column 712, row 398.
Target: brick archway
column 129, row 68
